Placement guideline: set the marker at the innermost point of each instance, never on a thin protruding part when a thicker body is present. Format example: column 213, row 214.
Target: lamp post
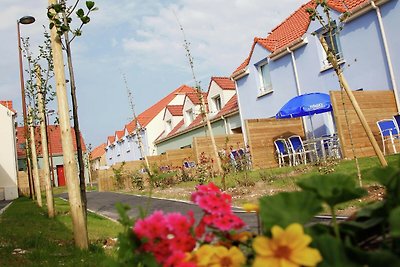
column 48, row 113
column 24, row 20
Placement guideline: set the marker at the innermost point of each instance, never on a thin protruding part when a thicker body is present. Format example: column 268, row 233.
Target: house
column 184, row 123
column 55, row 150
column 98, row 157
column 124, row 146
column 290, row 60
column 8, row 153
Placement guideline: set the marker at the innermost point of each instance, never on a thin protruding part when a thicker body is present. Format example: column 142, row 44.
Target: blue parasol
column 305, row 105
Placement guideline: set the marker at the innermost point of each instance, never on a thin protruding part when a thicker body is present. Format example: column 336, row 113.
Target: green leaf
column 376, row 258
column 332, row 251
column 85, row 20
column 80, row 13
column 394, row 222
column 333, row 188
column 288, row 207
column 57, row 8
column 89, row 4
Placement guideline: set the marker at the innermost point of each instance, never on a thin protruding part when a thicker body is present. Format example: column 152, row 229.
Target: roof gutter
column 362, row 9
column 299, row 42
column 240, row 74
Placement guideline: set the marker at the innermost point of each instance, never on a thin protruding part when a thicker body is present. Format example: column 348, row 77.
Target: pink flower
column 165, row 234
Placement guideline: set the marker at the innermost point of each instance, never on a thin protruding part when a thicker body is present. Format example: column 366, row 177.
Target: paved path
column 104, row 204
column 3, row 205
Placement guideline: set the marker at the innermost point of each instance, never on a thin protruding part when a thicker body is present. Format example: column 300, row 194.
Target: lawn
column 248, row 186
column 29, row 238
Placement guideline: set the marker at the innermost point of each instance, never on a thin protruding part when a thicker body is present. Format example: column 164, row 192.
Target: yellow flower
column 218, row 256
column 203, row 255
column 223, row 257
column 286, row 248
column 249, row 207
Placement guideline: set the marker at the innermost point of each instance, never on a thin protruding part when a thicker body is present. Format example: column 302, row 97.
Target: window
column 333, row 43
column 118, row 150
column 168, row 126
column 189, row 116
column 128, row 144
column 217, row 102
column 265, row 78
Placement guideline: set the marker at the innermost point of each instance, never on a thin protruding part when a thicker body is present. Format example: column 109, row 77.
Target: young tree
column 60, row 16
column 75, row 199
column 331, row 28
column 203, row 107
column 39, row 92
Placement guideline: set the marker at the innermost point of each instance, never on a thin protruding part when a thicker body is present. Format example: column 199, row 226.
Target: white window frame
column 128, row 144
column 168, row 126
column 189, row 116
column 339, row 53
column 264, row 88
column 217, row 101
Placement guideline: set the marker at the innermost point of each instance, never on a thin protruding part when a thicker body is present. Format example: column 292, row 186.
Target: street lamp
column 24, row 20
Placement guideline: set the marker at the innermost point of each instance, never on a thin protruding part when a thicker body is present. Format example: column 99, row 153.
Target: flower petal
column 265, row 261
column 262, row 247
column 286, row 263
column 276, row 231
column 306, row 256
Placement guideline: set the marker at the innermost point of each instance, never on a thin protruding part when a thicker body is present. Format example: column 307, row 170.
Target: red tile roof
column 294, row 27
column 224, row 82
column 98, row 151
column 176, row 128
column 175, row 110
column 146, row 116
column 119, row 134
column 8, row 104
column 111, row 139
column 194, row 97
column 54, row 140
column 230, row 106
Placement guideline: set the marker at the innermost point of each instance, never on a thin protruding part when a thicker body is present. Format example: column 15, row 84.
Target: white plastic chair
column 298, row 150
column 282, row 151
column 389, row 132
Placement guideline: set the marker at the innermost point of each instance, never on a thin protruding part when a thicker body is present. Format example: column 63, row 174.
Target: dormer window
column 189, row 116
column 168, row 126
column 217, row 102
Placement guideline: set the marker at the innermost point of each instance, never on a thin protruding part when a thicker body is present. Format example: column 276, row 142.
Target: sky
column 142, row 41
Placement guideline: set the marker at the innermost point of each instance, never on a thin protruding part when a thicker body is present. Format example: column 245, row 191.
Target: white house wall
column 8, row 161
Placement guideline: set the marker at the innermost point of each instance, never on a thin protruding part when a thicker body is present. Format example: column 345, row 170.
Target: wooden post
column 34, row 159
column 43, row 133
column 70, row 166
column 332, row 60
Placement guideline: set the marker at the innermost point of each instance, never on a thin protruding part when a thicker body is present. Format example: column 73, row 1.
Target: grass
column 29, row 238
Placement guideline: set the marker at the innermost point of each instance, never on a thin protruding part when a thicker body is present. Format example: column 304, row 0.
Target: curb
column 3, row 209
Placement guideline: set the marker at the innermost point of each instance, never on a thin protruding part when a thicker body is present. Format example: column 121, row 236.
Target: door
column 60, row 175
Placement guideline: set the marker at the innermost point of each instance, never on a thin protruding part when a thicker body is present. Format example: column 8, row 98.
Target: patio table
column 319, row 142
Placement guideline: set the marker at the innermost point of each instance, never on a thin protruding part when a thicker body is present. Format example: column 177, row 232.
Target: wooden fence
column 261, row 134
column 23, row 183
column 204, row 145
column 375, row 105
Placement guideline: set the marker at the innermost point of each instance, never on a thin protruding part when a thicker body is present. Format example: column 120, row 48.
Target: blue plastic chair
column 299, row 150
column 282, row 151
column 389, row 132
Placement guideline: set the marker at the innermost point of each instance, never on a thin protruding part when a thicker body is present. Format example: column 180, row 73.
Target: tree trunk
column 36, row 177
column 43, row 133
column 332, row 60
column 75, row 200
column 81, row 164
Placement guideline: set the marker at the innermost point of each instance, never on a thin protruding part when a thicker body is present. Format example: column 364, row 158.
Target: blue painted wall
column 365, row 65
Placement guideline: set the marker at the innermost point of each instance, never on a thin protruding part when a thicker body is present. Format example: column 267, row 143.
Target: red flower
column 163, row 235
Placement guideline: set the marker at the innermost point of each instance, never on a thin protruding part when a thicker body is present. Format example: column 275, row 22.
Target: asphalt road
column 104, row 203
